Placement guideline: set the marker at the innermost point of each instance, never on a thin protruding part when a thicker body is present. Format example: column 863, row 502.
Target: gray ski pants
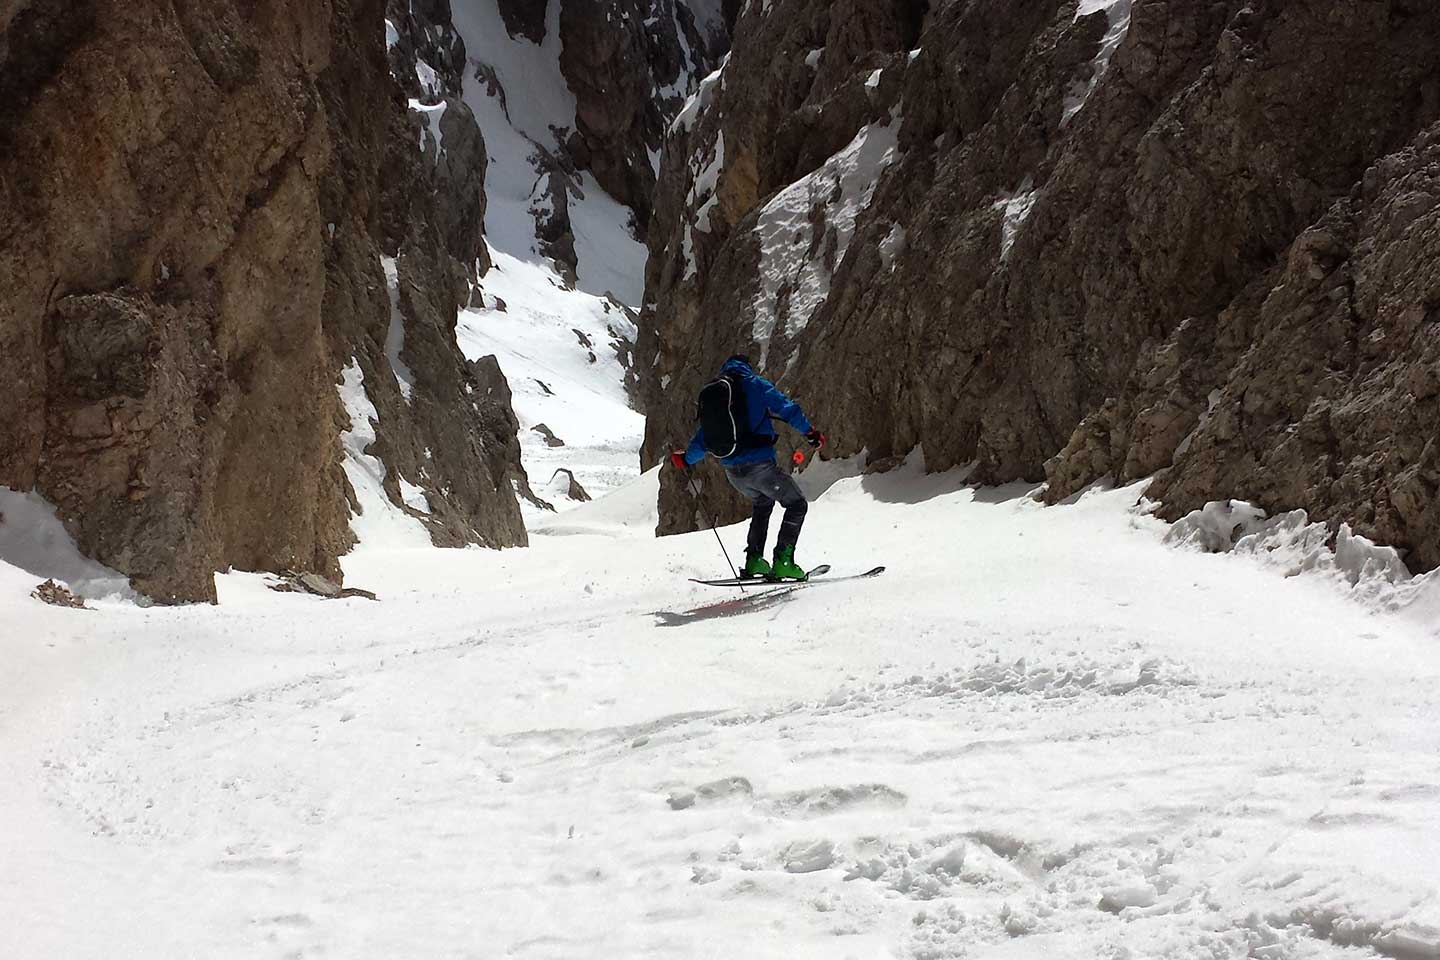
column 766, row 484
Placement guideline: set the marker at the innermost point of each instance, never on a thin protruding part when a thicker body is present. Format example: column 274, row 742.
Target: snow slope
column 524, row 114
column 575, row 390
column 1043, row 733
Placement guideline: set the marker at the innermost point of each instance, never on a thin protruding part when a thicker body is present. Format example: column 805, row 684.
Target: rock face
column 1072, row 245
column 630, row 64
column 192, row 223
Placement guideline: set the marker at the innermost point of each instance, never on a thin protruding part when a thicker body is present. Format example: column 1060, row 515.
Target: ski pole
column 714, row 528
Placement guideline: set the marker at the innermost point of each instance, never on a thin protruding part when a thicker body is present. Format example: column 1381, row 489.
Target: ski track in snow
column 1041, row 734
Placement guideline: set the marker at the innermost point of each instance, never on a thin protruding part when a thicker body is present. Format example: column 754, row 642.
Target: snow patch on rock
column 701, row 99
column 378, row 522
column 704, row 181
column 395, row 333
column 1117, row 12
column 1015, row 209
column 805, row 231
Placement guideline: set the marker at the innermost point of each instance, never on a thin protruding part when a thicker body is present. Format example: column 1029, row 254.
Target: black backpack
column 725, row 418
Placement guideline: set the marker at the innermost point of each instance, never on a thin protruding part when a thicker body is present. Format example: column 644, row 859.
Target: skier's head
column 739, row 358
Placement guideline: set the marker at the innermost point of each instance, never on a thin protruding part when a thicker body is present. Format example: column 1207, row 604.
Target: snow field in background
column 551, row 377
column 535, row 337
column 1042, row 733
column 532, row 104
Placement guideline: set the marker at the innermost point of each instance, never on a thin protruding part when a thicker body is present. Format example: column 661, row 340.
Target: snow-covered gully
column 1042, row 733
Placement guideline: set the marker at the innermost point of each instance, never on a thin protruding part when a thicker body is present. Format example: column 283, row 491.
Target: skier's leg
column 759, row 526
column 796, row 506
column 780, row 487
column 744, row 479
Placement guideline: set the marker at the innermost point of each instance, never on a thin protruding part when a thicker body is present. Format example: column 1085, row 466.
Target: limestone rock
column 57, row 595
column 564, row 482
column 525, row 18
column 550, row 439
column 630, row 64
column 316, row 585
column 192, row 221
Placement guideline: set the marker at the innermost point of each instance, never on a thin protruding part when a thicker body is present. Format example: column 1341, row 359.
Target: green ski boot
column 756, row 566
column 785, row 567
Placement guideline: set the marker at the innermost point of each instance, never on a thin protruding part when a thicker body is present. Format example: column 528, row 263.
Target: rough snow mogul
column 735, row 413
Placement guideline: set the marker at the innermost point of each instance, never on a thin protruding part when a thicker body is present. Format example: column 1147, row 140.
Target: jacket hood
column 737, row 365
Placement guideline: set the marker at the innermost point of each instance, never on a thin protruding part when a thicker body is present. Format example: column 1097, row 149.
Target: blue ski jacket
column 763, row 400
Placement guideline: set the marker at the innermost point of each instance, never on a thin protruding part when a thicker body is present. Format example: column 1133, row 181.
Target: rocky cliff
column 1070, row 242
column 242, row 246
column 197, row 251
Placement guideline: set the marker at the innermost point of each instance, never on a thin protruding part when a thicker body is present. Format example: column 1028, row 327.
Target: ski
column 818, row 575
column 819, row 571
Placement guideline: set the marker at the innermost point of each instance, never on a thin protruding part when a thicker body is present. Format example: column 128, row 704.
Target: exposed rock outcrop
column 191, row 234
column 985, row 224
column 631, row 63
column 57, row 595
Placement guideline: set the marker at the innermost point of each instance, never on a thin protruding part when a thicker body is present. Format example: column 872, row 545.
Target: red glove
column 815, row 438
column 678, row 460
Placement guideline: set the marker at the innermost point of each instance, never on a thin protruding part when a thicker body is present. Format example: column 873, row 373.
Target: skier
column 735, row 413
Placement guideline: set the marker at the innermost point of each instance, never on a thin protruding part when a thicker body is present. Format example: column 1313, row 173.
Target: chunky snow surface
column 1043, row 733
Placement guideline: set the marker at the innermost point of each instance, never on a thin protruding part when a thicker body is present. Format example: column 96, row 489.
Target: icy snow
column 1043, row 733
column 792, row 257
